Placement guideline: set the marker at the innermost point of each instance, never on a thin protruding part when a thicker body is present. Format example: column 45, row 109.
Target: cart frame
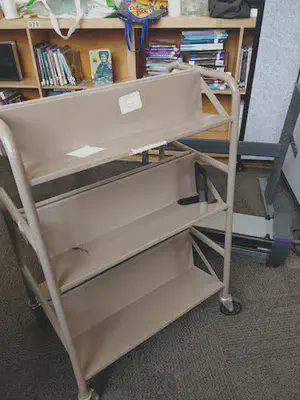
column 29, row 225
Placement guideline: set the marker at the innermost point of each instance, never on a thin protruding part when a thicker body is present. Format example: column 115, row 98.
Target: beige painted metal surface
column 137, row 298
column 79, row 235
column 85, row 243
column 47, row 130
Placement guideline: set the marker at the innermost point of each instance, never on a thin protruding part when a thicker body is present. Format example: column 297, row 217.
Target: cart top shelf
column 67, row 134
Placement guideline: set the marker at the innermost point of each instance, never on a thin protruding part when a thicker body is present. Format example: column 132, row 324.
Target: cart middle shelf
column 90, row 230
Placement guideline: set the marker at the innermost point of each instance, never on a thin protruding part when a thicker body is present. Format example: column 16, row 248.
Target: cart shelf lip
column 121, row 147
column 118, row 334
column 74, row 267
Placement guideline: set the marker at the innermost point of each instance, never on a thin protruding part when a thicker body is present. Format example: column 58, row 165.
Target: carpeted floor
column 204, row 355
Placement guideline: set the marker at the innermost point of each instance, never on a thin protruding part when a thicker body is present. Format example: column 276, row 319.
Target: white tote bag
column 75, row 9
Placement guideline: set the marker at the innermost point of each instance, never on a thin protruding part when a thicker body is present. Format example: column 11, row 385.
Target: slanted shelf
column 83, row 246
column 122, row 121
column 138, row 298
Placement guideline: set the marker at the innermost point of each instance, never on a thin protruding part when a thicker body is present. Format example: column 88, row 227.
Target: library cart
column 117, row 255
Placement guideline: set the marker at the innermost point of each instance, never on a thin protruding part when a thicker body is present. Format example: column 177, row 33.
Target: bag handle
column 54, row 20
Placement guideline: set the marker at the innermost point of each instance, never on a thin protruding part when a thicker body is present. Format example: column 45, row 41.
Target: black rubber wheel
column 237, row 308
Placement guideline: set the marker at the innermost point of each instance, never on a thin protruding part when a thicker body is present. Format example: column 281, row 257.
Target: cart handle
column 231, row 82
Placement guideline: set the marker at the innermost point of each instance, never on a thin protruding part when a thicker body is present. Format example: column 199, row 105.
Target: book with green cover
column 101, row 66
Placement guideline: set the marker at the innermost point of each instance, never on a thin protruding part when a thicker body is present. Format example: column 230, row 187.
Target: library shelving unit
column 109, row 33
column 117, row 255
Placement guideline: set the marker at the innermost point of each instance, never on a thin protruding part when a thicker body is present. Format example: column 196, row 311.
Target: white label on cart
column 147, row 147
column 130, row 102
column 85, row 151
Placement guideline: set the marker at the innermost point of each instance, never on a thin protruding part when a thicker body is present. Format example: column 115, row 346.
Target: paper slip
column 147, row 147
column 130, row 102
column 85, row 151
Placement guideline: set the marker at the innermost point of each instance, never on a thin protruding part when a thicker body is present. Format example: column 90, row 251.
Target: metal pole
column 234, row 137
column 33, row 220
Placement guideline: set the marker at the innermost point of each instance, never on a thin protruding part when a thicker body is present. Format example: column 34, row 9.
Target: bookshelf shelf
column 204, row 22
column 86, row 84
column 26, row 83
column 108, row 33
column 116, row 23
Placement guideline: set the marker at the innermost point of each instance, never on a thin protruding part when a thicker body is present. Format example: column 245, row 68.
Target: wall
column 277, row 67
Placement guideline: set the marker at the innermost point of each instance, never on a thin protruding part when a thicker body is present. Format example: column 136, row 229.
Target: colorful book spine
column 54, row 66
column 47, row 66
column 39, row 66
column 58, row 69
column 45, row 80
column 66, row 68
column 202, row 47
column 53, row 77
column 205, row 32
column 201, row 41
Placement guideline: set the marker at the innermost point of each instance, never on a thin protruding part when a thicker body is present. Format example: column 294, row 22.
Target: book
column 201, row 41
column 101, row 66
column 57, row 92
column 248, row 65
column 10, row 67
column 6, row 93
column 11, row 96
column 205, row 32
column 210, row 46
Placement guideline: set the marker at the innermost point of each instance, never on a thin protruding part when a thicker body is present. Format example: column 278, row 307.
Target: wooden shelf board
column 203, row 22
column 29, row 83
column 116, row 335
column 18, row 23
column 120, row 147
column 116, row 23
column 74, row 267
column 86, row 84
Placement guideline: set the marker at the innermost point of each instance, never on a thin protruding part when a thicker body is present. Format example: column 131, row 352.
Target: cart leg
column 32, row 301
column 230, row 306
column 90, row 395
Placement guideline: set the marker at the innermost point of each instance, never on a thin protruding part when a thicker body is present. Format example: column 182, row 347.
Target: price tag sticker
column 33, row 25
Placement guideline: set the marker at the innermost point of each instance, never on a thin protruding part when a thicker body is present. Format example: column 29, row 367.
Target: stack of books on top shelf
column 243, row 75
column 205, row 48
column 10, row 96
column 58, row 66
column 159, row 54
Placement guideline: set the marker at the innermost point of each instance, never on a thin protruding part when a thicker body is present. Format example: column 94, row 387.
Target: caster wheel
column 237, row 308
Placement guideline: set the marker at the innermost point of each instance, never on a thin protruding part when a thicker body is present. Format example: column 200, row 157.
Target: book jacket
column 101, row 66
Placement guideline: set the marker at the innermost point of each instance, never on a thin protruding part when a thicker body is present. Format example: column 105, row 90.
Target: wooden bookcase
column 109, row 33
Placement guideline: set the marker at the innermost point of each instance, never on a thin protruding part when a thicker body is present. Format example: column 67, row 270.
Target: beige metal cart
column 117, row 255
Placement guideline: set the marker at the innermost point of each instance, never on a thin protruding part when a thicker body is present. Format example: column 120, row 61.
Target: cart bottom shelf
column 121, row 332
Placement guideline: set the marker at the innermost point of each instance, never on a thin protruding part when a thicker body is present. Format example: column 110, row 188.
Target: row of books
column 243, row 74
column 159, row 54
column 203, row 40
column 58, row 66
column 206, row 48
column 10, row 96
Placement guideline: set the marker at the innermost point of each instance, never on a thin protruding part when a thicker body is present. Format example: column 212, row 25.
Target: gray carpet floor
column 204, row 355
